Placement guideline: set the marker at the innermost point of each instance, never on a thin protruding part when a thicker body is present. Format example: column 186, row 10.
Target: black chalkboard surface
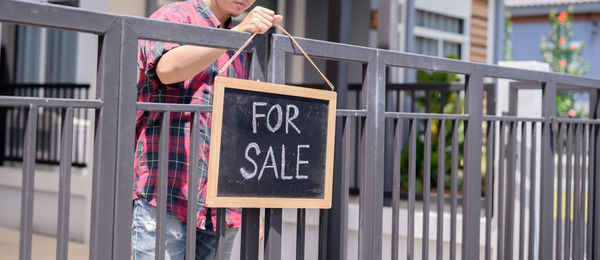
column 271, row 145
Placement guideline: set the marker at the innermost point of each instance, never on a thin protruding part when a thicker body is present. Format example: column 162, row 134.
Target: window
column 439, row 22
column 439, row 35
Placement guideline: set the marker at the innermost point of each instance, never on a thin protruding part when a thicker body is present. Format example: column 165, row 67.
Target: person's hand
column 259, row 20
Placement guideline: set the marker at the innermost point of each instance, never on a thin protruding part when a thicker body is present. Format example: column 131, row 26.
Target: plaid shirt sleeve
column 153, row 50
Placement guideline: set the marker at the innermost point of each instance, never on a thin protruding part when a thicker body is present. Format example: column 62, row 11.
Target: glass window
column 426, row 46
column 439, row 22
column 452, row 49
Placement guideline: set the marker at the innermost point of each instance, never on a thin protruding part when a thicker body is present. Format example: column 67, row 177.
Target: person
column 175, row 73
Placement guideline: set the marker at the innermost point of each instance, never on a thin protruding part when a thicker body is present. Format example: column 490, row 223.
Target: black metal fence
column 510, row 150
column 49, row 124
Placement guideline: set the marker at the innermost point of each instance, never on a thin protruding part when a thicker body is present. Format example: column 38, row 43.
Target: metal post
column 472, row 179
column 105, row 151
column 371, row 195
column 547, row 166
column 338, row 30
column 125, row 140
column 595, row 114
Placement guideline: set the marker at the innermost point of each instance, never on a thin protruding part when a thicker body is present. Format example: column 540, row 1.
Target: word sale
column 274, row 114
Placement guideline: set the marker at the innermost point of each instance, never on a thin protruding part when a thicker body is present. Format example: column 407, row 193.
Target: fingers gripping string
column 293, row 40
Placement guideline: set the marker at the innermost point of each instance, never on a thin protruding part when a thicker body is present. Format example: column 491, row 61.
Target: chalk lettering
column 288, row 119
column 283, row 177
column 279, row 117
column 246, row 174
column 271, row 156
column 298, row 162
column 255, row 115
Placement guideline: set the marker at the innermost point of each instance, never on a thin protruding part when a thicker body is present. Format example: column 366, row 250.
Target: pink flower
column 572, row 113
column 563, row 63
column 561, row 40
column 562, row 17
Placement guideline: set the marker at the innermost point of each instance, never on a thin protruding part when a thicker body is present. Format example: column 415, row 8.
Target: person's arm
column 186, row 61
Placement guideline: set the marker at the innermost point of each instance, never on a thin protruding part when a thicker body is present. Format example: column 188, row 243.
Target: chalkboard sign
column 271, row 146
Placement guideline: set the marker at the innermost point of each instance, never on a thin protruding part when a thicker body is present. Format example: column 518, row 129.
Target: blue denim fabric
column 143, row 236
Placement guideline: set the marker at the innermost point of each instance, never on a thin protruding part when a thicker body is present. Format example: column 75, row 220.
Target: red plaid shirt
column 196, row 90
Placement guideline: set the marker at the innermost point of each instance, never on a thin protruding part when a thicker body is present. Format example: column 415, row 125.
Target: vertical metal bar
column 323, row 234
column 426, row 189
column 347, row 154
column 192, row 207
column 220, row 246
column 125, row 138
column 576, row 195
column 161, row 191
column 453, row 188
column 472, row 169
column 64, row 191
column 522, row 195
column 532, row 184
column 412, row 172
column 371, row 195
column 547, row 177
column 273, row 217
column 583, row 197
column 396, row 179
column 596, row 246
column 440, row 188
column 590, row 193
column 105, row 147
column 501, row 177
column 489, row 177
column 273, row 234
column 300, row 233
column 568, row 210
column 510, row 191
column 250, row 225
column 559, row 177
column 27, row 185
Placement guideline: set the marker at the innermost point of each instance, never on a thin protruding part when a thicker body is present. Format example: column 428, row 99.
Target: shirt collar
column 208, row 14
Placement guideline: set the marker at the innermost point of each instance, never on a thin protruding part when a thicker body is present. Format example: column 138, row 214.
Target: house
column 530, row 22
column 463, row 28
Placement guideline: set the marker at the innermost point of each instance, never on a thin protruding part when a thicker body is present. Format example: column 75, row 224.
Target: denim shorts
column 143, row 236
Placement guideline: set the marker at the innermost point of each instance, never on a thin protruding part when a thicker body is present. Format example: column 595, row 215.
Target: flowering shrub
column 564, row 56
column 559, row 50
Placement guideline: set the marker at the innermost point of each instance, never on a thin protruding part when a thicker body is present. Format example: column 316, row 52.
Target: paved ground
column 44, row 247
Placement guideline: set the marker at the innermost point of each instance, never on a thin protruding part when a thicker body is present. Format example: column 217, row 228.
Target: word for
column 279, row 112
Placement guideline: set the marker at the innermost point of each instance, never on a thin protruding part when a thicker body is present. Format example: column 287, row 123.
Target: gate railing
column 115, row 110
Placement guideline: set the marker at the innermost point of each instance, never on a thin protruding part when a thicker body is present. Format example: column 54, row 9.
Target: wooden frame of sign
column 318, row 195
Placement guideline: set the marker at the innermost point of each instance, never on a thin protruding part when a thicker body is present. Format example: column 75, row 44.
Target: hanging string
column 237, row 53
column 291, row 38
